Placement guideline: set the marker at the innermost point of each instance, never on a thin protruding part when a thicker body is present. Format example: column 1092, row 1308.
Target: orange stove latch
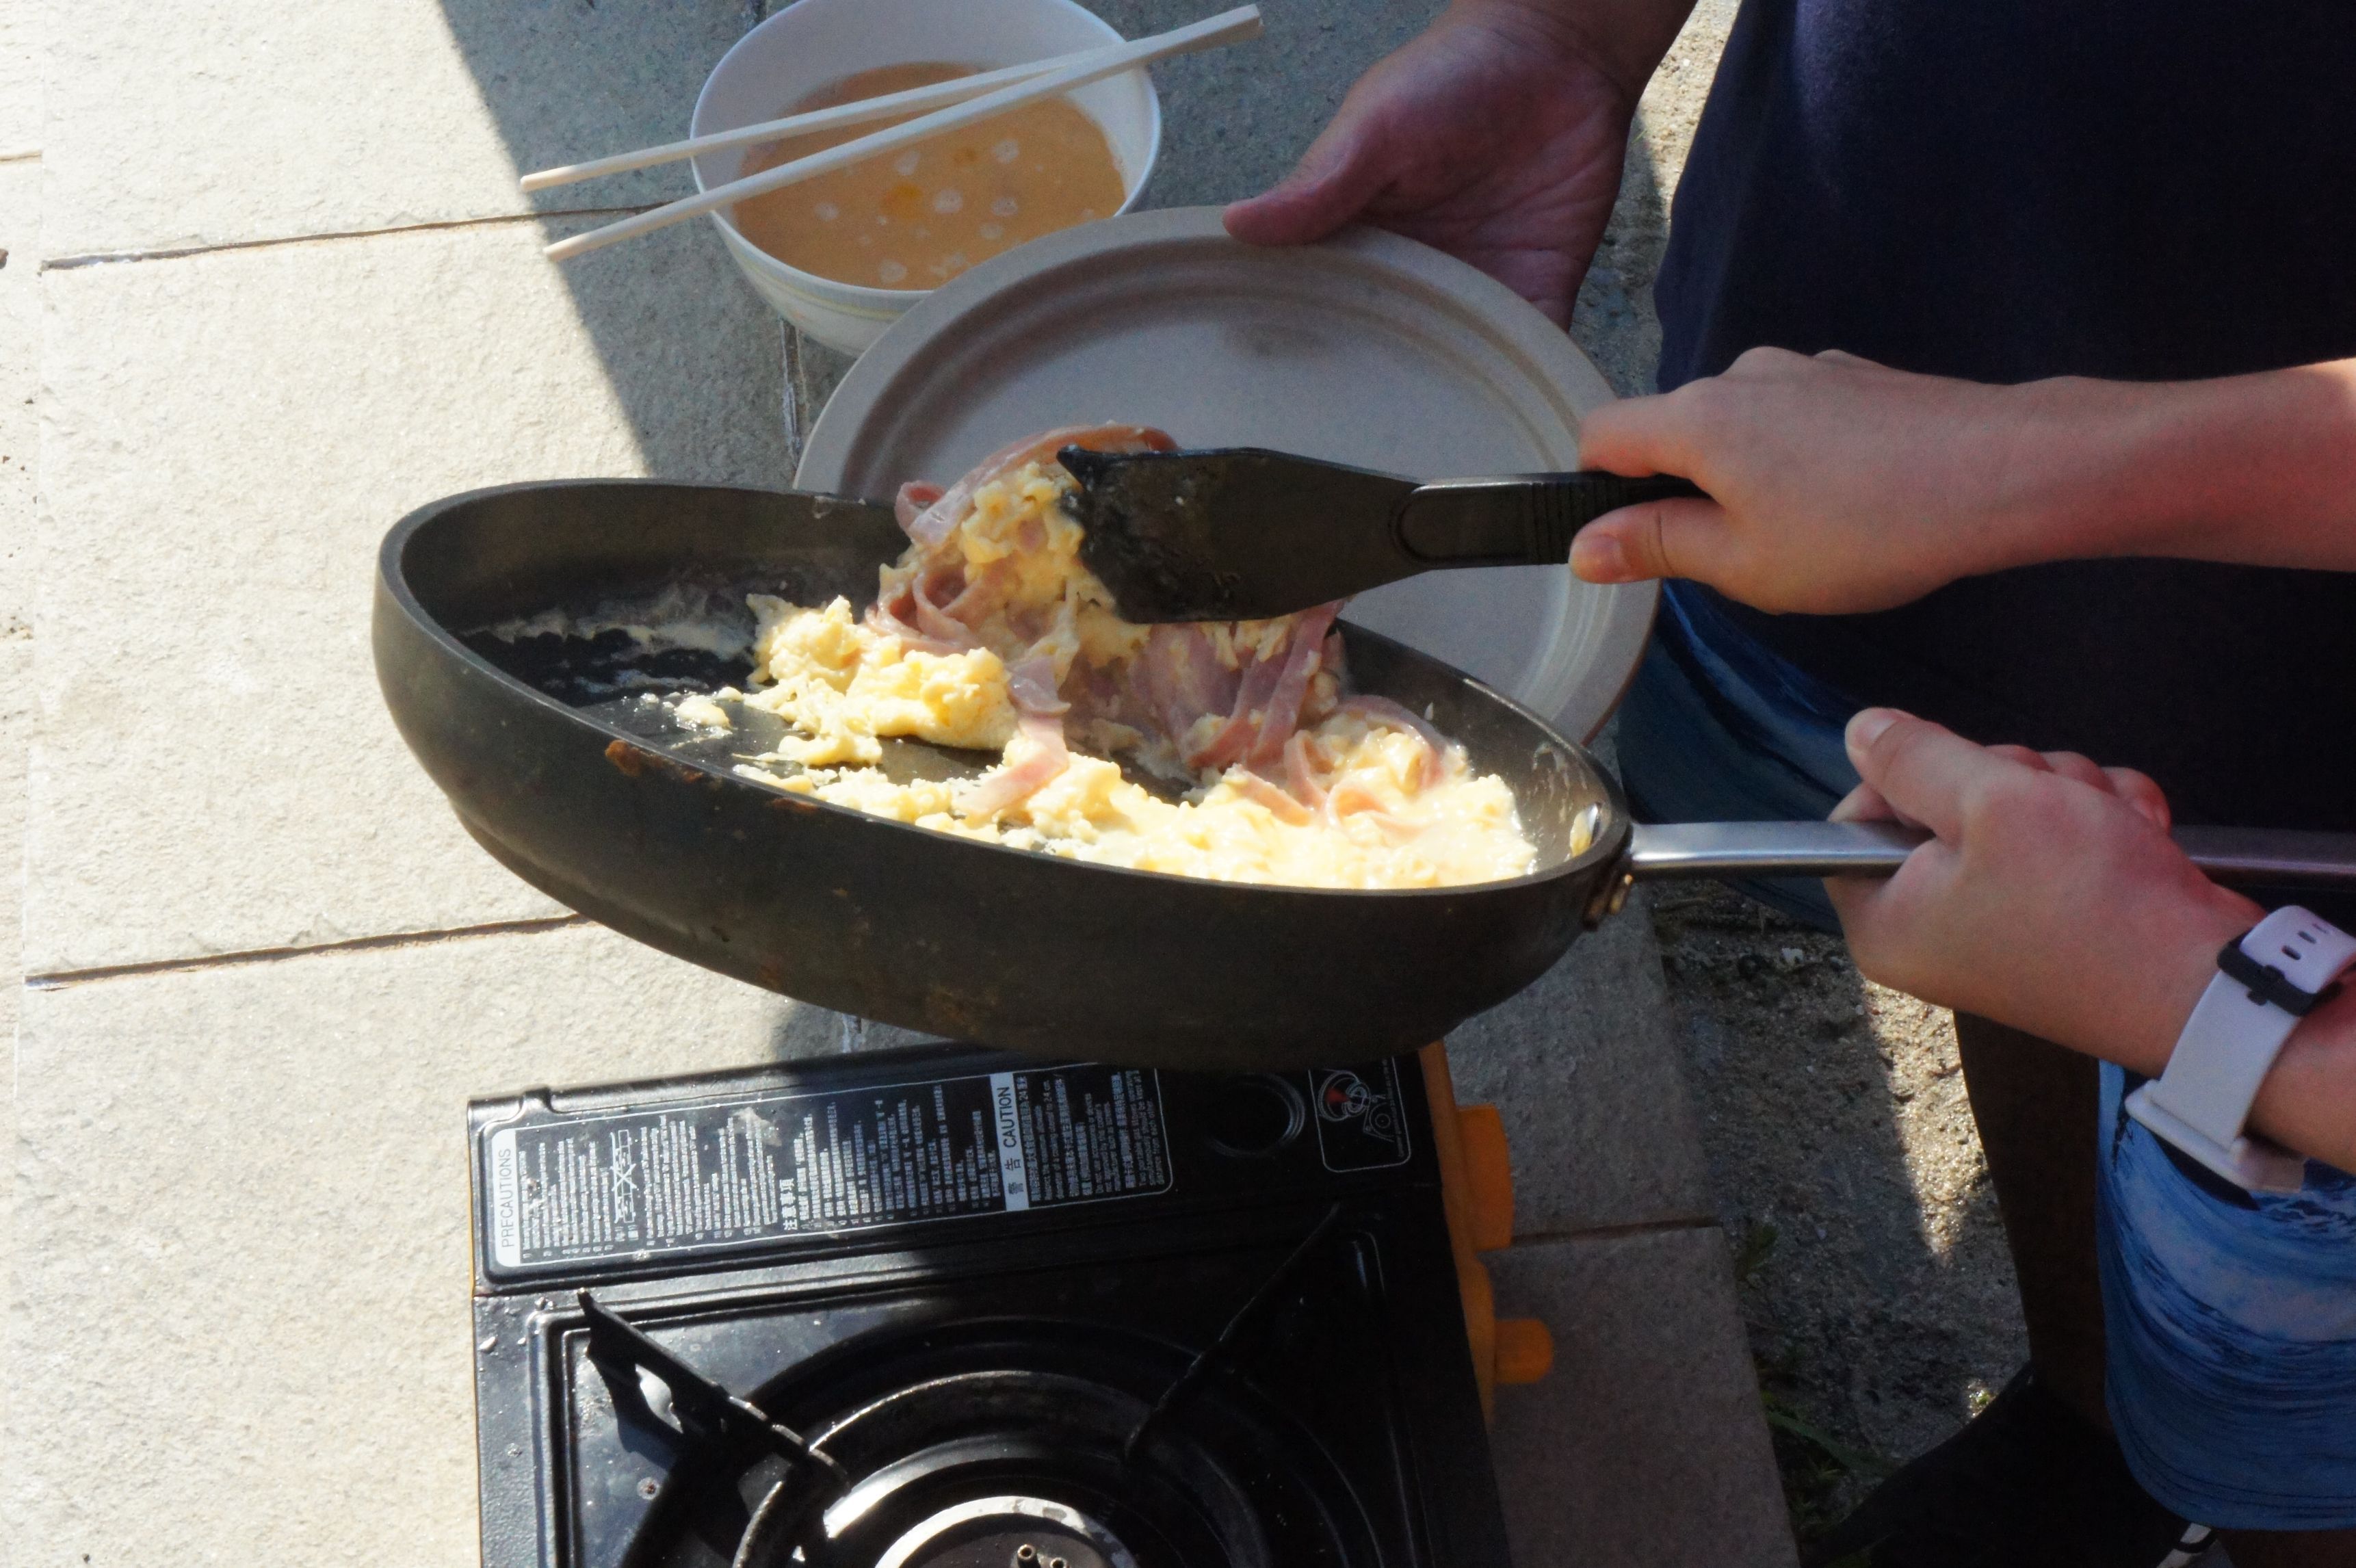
column 1476, row 1183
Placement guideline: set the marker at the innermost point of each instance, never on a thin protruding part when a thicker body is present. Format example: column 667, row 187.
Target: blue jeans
column 2230, row 1318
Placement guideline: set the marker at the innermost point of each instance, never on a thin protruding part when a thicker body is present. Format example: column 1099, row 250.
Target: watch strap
column 2267, row 980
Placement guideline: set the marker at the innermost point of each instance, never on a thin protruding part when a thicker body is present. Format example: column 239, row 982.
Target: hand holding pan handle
column 2245, row 857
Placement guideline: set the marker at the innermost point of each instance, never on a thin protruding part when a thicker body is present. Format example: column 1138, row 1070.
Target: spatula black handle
column 1525, row 518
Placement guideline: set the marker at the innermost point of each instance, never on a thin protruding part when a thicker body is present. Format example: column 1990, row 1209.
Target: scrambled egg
column 1398, row 831
column 1386, row 807
column 844, row 685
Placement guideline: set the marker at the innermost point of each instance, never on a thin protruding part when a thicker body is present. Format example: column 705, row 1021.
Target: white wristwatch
column 2269, row 978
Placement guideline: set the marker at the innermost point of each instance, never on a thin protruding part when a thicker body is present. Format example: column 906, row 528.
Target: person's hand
column 1497, row 136
column 2051, row 900
column 1838, row 485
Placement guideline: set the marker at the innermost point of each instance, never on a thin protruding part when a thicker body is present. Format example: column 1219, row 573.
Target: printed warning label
column 723, row 1176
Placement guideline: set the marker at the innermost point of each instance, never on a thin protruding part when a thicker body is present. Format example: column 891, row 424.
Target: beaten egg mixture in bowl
column 1237, row 752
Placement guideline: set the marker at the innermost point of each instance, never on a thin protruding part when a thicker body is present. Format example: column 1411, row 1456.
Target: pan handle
column 2250, row 857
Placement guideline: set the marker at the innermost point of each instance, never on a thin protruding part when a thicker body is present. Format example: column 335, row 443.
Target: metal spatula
column 1244, row 535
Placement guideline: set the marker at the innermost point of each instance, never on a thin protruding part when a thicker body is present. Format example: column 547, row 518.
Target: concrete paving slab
column 243, row 1209
column 21, row 29
column 227, row 438
column 1646, row 1444
column 19, row 434
column 212, row 122
column 20, row 346
column 1585, row 1069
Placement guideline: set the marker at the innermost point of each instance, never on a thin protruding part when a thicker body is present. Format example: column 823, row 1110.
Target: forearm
column 2133, row 1013
column 1626, row 39
column 2306, row 1103
column 2253, row 471
column 2309, row 1101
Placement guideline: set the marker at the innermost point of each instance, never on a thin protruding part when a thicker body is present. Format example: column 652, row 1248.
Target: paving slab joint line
column 105, row 258
column 1614, row 1232
column 54, row 979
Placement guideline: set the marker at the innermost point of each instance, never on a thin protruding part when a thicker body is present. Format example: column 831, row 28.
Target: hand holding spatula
column 1244, row 535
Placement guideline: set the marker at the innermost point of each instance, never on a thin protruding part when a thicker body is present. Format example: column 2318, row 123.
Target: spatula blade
column 1235, row 534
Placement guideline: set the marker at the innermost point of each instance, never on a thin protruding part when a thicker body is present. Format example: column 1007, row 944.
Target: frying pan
column 558, row 766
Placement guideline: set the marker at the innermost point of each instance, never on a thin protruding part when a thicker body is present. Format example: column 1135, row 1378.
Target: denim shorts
column 2230, row 1317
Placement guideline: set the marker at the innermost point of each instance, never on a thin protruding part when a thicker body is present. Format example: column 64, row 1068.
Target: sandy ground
column 1877, row 1289
column 1875, row 1282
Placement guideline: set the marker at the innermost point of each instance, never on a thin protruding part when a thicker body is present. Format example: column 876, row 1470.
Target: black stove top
column 952, row 1309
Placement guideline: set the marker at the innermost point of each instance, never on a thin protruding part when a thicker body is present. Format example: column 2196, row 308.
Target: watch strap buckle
column 2264, row 983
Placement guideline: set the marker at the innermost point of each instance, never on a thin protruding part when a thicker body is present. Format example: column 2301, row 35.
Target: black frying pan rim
column 1608, row 844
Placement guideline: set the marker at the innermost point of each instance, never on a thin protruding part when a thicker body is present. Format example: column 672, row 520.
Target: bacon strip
column 910, row 501
column 1044, row 757
column 879, row 618
column 1252, row 699
column 1268, row 699
column 1178, row 679
column 1301, row 771
column 1282, row 717
column 932, row 618
column 1252, row 786
column 982, row 596
column 948, row 508
column 1032, row 685
column 1352, row 799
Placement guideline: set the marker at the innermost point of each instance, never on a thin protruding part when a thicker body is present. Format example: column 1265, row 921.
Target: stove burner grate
column 1008, row 1533
column 1007, row 1445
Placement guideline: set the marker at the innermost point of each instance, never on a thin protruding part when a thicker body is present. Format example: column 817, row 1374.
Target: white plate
column 1368, row 349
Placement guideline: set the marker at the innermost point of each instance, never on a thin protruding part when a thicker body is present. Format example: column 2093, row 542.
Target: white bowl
column 815, row 43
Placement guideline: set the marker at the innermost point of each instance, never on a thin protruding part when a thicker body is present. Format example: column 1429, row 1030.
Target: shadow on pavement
column 691, row 355
column 568, row 80
column 1874, row 1276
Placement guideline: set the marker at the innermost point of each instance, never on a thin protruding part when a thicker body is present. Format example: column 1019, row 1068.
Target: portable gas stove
column 947, row 1308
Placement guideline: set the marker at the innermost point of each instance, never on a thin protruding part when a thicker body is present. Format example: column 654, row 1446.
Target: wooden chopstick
column 908, row 101
column 1229, row 26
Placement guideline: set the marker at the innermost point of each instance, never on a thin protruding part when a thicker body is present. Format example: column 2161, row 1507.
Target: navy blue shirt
column 2009, row 189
